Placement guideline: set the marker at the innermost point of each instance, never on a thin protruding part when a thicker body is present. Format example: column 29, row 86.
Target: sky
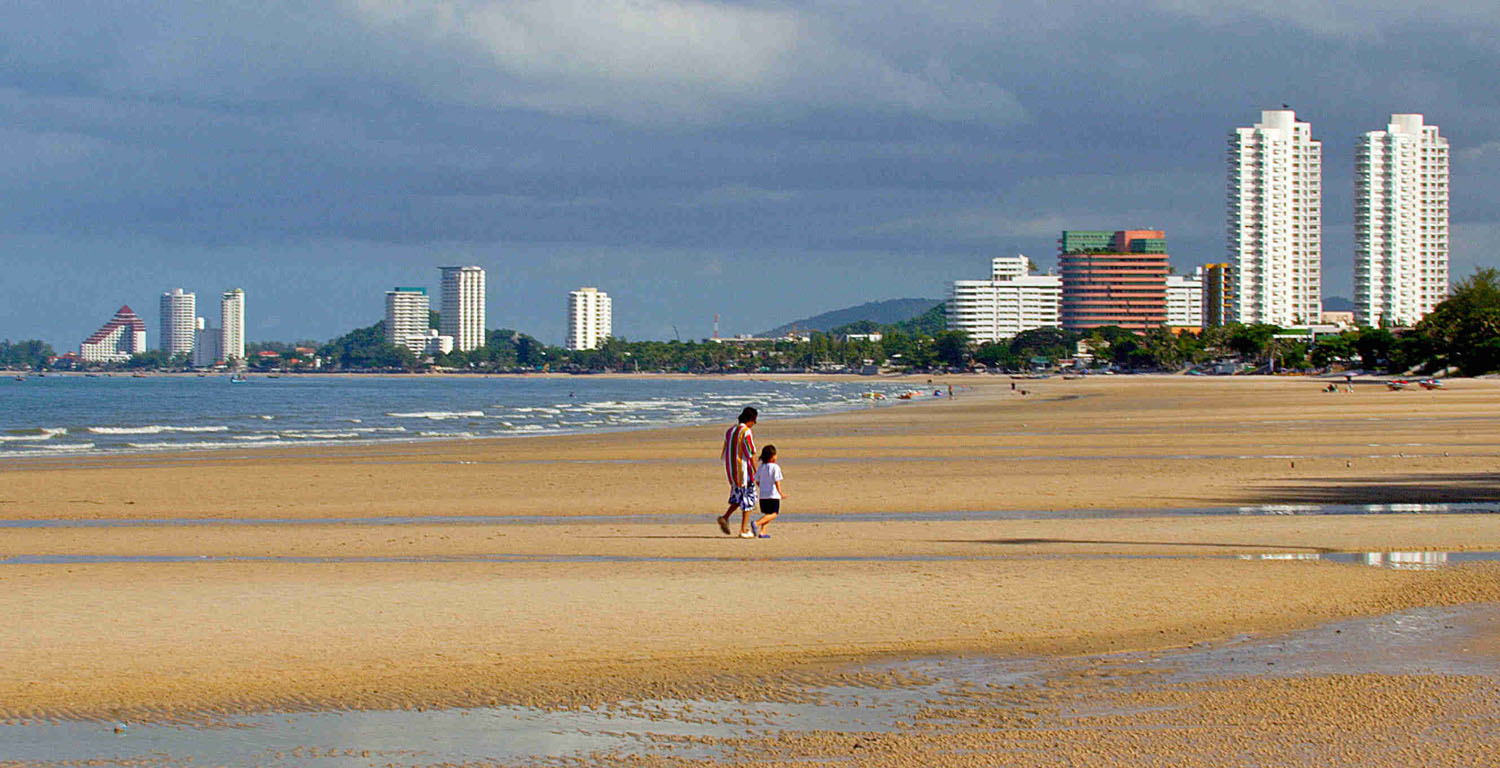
column 761, row 160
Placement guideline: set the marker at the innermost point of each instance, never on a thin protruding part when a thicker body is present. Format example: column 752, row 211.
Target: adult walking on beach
column 739, row 468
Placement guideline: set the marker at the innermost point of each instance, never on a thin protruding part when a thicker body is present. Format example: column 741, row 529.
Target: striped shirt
column 739, row 455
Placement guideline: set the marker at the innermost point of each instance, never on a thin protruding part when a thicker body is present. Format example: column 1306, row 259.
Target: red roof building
column 121, row 338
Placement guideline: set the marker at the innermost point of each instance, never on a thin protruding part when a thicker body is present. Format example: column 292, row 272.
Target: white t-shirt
column 767, row 477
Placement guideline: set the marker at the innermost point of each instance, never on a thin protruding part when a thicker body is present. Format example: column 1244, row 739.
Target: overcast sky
column 763, row 160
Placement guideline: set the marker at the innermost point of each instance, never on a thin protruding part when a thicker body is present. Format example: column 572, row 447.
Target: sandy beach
column 268, row 600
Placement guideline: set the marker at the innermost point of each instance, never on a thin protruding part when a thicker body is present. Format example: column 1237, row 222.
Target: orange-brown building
column 1113, row 278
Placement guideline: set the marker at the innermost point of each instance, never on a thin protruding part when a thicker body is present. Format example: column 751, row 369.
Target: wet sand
column 681, row 610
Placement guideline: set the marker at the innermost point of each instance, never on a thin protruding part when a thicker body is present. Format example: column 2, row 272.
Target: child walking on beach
column 768, row 477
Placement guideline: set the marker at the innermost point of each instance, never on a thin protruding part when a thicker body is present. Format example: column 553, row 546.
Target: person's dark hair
column 748, row 415
column 767, row 453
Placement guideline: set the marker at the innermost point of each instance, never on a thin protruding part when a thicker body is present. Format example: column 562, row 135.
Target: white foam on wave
column 42, row 434
column 190, row 446
column 255, row 438
column 318, row 434
column 154, row 429
column 437, row 415
column 448, row 434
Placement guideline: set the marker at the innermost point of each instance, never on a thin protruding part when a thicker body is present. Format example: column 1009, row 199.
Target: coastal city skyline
column 805, row 174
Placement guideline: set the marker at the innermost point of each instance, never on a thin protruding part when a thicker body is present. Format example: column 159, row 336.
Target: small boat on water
column 19, row 377
column 237, row 378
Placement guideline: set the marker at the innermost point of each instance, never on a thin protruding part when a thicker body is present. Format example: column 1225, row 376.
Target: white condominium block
column 1400, row 223
column 590, row 318
column 406, row 318
column 178, row 312
column 463, row 306
column 232, row 325
column 1275, row 226
column 1185, row 300
column 1011, row 302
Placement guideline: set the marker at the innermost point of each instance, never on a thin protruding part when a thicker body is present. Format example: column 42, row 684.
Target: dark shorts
column 770, row 506
column 744, row 498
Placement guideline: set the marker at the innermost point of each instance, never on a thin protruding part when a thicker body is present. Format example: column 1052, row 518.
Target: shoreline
column 581, row 610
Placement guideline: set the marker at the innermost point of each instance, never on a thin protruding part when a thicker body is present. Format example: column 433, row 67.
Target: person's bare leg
column 723, row 519
column 744, row 522
column 765, row 521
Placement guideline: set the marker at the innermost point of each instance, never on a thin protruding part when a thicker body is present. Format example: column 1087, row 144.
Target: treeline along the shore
column 1461, row 335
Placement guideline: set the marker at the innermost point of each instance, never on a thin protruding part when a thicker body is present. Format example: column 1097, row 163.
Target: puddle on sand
column 1439, row 508
column 1421, row 641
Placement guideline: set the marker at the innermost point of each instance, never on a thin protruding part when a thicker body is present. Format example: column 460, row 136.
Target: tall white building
column 232, row 325
column 1275, row 233
column 1185, row 300
column 1400, row 223
column 590, row 318
column 178, row 310
column 406, row 318
column 1011, row 301
column 463, row 307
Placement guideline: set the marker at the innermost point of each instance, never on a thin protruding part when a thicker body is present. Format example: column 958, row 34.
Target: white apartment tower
column 1400, row 223
column 406, row 318
column 232, row 325
column 1011, row 301
column 178, row 313
column 1275, row 233
column 590, row 319
column 463, row 307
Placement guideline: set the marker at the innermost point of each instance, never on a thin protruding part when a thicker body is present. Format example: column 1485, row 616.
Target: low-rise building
column 1011, row 301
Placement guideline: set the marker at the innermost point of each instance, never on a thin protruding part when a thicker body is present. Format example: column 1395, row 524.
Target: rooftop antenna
column 675, row 334
column 716, row 325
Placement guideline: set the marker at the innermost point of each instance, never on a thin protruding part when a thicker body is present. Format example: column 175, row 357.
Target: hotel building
column 1185, row 300
column 1011, row 301
column 121, row 338
column 406, row 318
column 206, row 343
column 1218, row 294
column 1275, row 227
column 1113, row 278
column 178, row 313
column 1400, row 223
column 590, row 318
column 232, row 325
column 463, row 306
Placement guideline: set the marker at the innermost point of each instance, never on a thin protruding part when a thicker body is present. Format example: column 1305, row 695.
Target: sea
column 50, row 416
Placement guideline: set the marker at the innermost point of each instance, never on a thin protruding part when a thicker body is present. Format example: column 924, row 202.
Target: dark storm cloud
column 319, row 152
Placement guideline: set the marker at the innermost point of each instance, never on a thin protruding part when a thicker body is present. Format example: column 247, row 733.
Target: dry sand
column 668, row 607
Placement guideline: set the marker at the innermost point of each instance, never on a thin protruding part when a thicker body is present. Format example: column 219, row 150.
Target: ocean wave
column 154, row 429
column 437, row 415
column 448, row 434
column 318, row 434
column 255, row 438
column 39, row 435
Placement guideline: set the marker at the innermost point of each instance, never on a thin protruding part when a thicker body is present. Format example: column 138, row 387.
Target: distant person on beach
column 739, row 468
column 768, row 477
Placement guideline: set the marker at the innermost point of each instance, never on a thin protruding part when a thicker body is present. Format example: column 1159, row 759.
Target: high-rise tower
column 1400, row 222
column 178, row 322
column 463, row 307
column 406, row 317
column 232, row 326
column 1275, row 224
column 590, row 318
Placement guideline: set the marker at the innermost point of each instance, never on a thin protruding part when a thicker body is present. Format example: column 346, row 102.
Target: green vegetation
column 24, row 354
